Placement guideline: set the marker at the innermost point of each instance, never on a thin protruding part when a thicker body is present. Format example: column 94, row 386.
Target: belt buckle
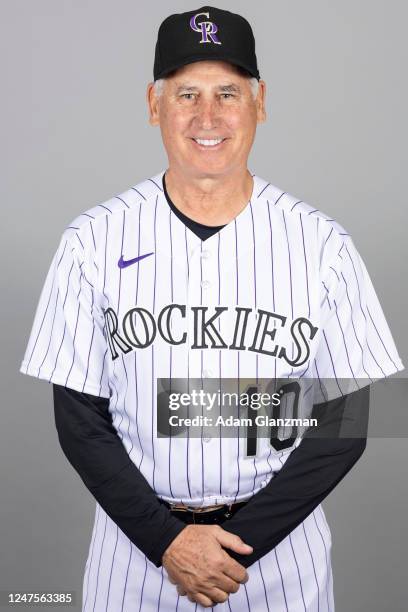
column 199, row 509
column 179, row 507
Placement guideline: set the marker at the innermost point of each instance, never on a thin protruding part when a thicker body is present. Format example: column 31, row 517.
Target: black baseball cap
column 208, row 33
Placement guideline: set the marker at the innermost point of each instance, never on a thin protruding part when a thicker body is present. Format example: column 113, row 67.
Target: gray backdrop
column 75, row 133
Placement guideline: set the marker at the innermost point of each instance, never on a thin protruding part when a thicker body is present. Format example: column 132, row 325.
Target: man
column 206, row 272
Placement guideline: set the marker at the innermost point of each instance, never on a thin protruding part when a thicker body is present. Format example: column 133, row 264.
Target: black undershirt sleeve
column 313, row 469
column 92, row 446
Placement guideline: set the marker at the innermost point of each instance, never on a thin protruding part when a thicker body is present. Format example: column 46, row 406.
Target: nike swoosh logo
column 124, row 264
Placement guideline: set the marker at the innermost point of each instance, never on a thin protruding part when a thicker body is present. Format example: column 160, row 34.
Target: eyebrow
column 231, row 88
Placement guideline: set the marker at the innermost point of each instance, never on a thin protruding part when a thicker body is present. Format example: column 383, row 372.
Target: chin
column 210, row 166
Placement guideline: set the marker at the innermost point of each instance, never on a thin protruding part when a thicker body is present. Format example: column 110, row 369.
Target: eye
column 187, row 96
column 227, row 95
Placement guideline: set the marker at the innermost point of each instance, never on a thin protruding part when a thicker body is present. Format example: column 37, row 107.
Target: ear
column 152, row 104
column 260, row 102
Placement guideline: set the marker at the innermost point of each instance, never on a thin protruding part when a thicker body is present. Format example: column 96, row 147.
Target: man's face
column 207, row 116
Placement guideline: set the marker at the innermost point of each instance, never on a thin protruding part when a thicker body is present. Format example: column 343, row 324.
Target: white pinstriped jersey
column 289, row 293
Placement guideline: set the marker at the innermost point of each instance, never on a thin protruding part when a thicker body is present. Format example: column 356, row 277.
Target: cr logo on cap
column 207, row 29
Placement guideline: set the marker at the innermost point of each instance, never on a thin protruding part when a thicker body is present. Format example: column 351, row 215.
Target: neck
column 209, row 200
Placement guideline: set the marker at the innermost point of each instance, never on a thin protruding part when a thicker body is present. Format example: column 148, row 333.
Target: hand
column 197, row 563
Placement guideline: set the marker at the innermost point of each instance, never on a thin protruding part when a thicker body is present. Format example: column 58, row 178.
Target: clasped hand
column 198, row 565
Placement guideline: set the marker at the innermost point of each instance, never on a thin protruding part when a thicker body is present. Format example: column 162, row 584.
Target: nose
column 207, row 114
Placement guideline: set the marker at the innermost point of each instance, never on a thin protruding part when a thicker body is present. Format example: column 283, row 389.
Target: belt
column 207, row 515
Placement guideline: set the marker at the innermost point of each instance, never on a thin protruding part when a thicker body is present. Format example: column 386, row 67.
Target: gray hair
column 253, row 82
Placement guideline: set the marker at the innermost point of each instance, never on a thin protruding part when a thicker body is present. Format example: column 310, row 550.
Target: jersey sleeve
column 67, row 344
column 355, row 342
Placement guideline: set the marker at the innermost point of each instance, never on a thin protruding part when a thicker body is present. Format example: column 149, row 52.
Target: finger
column 235, row 570
column 201, row 599
column 227, row 584
column 221, row 581
column 232, row 541
column 217, row 595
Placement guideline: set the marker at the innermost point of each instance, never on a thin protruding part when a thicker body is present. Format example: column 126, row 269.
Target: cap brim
column 204, row 57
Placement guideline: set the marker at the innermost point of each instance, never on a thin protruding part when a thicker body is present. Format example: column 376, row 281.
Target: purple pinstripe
column 263, row 583
column 297, row 567
column 314, row 568
column 255, row 306
column 306, row 270
column 45, row 313
column 344, row 340
column 238, row 373
column 281, row 577
column 171, row 348
column 111, row 568
column 362, row 310
column 380, row 338
column 331, row 361
column 325, row 553
column 219, row 351
column 143, row 585
column 201, row 371
column 92, row 551
column 127, row 575
column 99, row 564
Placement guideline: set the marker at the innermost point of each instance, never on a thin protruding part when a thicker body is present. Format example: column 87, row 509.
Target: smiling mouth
column 208, row 143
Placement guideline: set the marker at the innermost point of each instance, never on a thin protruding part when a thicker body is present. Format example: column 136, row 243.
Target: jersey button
column 207, row 373
column 207, row 439
column 205, row 284
column 205, row 254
